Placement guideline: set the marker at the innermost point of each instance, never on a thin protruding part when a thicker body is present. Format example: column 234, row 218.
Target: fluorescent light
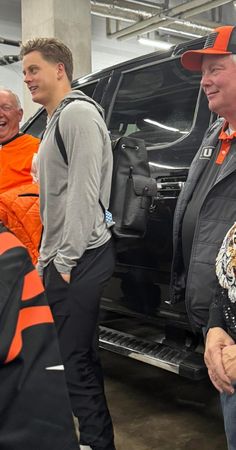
column 180, row 32
column 160, row 125
column 193, row 25
column 158, row 44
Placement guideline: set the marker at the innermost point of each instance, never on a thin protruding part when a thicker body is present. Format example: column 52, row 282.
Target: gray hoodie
column 72, row 218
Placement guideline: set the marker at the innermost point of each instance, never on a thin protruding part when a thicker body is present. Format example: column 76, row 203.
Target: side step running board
column 182, row 361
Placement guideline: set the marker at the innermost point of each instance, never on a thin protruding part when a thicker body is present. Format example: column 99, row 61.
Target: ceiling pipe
column 116, row 15
column 145, row 4
column 122, row 10
column 129, row 6
column 204, row 23
column 153, row 15
column 167, row 17
column 179, row 28
column 10, row 42
column 102, row 8
column 199, row 8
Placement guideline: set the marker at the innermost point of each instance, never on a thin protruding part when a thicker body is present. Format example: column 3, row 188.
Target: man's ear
column 60, row 70
column 20, row 112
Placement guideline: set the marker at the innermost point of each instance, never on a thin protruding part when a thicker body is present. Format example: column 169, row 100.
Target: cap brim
column 192, row 59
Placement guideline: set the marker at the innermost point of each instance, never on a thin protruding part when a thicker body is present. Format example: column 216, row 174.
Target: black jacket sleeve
column 216, row 314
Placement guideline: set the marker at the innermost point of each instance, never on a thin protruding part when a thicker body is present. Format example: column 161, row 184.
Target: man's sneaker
column 85, row 447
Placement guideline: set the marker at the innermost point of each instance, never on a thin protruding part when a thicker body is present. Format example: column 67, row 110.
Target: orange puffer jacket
column 19, row 212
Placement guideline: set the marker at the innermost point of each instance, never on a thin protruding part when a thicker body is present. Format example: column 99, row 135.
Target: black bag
column 132, row 190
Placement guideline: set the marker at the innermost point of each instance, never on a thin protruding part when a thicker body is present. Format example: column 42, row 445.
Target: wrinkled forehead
column 8, row 98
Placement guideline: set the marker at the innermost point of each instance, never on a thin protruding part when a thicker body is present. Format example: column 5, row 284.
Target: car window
column 88, row 89
column 155, row 103
column 96, row 89
column 38, row 125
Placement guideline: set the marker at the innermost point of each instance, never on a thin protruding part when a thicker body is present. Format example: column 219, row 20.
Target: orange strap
column 224, row 150
column 33, row 286
column 28, row 317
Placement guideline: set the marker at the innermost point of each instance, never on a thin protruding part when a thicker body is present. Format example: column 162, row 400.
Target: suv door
column 161, row 104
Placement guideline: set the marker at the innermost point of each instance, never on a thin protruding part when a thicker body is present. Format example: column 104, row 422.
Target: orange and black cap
column 221, row 42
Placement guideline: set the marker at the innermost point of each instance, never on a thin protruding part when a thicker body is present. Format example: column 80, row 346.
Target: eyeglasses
column 7, row 108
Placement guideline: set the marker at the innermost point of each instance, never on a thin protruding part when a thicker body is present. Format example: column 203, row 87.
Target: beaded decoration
column 226, row 263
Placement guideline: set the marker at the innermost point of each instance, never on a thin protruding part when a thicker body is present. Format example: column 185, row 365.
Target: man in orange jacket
column 19, row 202
column 17, row 149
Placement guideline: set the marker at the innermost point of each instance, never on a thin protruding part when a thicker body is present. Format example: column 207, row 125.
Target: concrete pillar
column 69, row 21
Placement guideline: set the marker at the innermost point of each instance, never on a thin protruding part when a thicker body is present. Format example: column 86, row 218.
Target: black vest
column 217, row 214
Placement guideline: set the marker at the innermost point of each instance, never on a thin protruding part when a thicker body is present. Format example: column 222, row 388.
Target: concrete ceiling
column 179, row 17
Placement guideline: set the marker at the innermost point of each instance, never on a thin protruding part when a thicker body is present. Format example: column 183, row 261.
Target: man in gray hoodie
column 76, row 255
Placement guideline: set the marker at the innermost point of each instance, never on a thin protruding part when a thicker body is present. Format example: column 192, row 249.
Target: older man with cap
column 206, row 209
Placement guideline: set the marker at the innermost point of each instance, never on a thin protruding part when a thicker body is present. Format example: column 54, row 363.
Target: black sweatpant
column 75, row 308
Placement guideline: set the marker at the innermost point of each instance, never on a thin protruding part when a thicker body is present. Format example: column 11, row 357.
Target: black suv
column 153, row 98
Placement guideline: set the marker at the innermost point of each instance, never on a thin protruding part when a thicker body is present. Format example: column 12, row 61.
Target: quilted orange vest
column 19, row 211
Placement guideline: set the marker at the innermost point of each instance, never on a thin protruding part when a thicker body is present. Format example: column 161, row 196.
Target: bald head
column 10, row 114
column 13, row 95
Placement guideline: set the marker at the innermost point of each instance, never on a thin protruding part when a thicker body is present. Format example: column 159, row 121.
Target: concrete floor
column 156, row 410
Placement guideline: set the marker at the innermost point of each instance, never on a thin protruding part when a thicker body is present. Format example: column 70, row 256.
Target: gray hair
column 3, row 89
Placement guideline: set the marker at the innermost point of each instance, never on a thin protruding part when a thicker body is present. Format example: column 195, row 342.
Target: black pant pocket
column 56, row 290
